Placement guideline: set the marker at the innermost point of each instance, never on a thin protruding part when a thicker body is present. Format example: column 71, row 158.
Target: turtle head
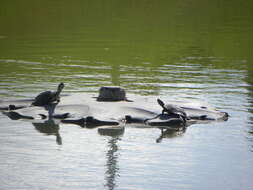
column 60, row 87
column 160, row 102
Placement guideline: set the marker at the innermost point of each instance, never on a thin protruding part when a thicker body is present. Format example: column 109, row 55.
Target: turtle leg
column 152, row 118
column 50, row 112
column 184, row 121
column 50, row 108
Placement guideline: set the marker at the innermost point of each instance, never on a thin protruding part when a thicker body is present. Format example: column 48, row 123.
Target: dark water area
column 191, row 50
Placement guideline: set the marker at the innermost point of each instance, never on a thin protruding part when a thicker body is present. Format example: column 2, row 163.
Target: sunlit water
column 123, row 46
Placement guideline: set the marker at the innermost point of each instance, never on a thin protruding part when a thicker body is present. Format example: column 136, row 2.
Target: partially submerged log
column 110, row 108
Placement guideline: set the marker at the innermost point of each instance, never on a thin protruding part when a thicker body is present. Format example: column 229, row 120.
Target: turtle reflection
column 170, row 133
column 49, row 127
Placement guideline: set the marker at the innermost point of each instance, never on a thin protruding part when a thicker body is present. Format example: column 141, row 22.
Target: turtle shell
column 172, row 109
column 44, row 98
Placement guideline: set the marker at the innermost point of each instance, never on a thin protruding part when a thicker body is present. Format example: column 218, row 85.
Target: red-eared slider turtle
column 49, row 99
column 172, row 110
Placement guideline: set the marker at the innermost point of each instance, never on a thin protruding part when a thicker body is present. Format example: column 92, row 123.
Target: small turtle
column 172, row 110
column 49, row 99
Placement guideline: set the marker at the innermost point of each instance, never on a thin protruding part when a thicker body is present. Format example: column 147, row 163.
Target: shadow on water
column 49, row 127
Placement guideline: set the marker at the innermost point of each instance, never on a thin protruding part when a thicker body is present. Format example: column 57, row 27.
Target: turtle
column 49, row 99
column 172, row 110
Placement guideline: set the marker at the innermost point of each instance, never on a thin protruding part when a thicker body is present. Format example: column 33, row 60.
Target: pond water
column 199, row 51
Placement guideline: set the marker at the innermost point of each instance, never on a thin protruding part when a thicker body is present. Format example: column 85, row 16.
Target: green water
column 199, row 50
column 61, row 35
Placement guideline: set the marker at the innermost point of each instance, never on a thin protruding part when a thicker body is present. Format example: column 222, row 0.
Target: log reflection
column 112, row 168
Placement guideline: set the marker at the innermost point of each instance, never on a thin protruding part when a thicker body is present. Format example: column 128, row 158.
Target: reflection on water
column 49, row 128
column 112, row 166
column 170, row 133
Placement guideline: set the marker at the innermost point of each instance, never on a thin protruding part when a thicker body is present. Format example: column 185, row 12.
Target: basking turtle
column 49, row 99
column 172, row 110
